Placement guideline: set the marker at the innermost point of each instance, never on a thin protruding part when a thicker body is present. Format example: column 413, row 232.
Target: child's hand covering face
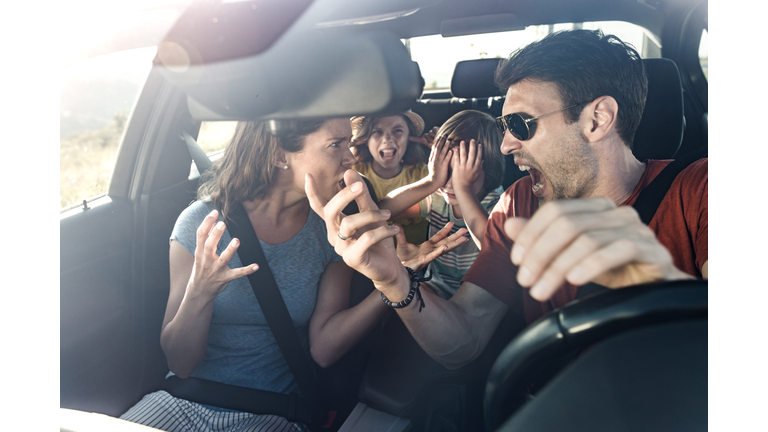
column 467, row 175
column 440, row 162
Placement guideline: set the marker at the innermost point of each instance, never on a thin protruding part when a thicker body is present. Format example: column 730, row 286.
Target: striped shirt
column 448, row 269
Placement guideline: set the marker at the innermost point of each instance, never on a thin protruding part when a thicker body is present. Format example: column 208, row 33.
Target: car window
column 215, row 135
column 704, row 54
column 96, row 96
column 437, row 56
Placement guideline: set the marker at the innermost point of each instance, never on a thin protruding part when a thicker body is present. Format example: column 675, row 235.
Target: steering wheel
column 542, row 350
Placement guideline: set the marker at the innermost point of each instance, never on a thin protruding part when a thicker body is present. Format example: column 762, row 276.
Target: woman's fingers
column 204, row 230
column 356, row 256
column 400, row 236
column 212, row 242
column 352, row 224
column 242, row 271
column 357, row 189
column 330, row 211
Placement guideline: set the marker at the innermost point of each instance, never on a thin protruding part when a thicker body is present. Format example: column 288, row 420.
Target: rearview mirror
column 308, row 75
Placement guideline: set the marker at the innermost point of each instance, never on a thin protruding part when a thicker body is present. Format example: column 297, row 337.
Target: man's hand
column 588, row 240
column 418, row 257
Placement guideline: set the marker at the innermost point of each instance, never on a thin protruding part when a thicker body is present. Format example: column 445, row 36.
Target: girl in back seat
column 462, row 186
column 384, row 156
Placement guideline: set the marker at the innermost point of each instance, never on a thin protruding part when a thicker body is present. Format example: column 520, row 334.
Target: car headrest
column 660, row 132
column 474, row 79
column 422, row 83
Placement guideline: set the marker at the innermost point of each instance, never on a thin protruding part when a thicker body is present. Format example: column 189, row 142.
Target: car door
column 112, row 291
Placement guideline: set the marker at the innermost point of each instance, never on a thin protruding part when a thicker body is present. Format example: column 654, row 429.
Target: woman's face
column 326, row 155
column 387, row 144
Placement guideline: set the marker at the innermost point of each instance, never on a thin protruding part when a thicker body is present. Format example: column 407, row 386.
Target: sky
column 37, row 36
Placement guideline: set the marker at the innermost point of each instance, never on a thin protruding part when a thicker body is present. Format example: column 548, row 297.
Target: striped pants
column 162, row 411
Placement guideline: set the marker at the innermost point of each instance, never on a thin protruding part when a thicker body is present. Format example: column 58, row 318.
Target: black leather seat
column 658, row 136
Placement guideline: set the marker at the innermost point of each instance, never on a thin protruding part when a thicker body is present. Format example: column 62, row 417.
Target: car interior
column 630, row 359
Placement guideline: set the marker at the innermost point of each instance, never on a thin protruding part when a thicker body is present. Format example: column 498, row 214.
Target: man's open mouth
column 537, row 180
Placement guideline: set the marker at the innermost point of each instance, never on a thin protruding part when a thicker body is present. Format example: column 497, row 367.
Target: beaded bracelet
column 415, row 281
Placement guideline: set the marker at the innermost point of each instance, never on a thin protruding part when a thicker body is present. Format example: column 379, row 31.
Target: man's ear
column 599, row 118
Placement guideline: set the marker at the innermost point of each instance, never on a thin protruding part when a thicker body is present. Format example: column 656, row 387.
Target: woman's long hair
column 247, row 169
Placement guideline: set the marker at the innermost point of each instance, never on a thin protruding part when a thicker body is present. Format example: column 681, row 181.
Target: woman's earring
column 285, row 167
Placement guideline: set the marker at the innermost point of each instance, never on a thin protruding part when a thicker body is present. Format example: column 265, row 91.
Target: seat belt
column 280, row 323
column 202, row 162
column 272, row 303
column 650, row 198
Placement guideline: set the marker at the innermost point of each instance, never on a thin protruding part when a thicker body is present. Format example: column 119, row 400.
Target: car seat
column 658, row 136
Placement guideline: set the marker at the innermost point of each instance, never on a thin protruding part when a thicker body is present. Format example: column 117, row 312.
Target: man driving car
column 573, row 102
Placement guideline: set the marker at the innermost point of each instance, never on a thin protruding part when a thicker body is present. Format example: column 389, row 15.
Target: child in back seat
column 391, row 153
column 463, row 185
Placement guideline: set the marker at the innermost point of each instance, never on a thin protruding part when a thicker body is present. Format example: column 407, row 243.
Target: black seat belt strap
column 238, row 398
column 650, row 198
column 264, row 286
column 272, row 304
column 202, row 162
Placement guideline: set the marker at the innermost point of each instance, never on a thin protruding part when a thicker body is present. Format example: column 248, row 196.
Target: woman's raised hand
column 364, row 240
column 418, row 257
column 210, row 272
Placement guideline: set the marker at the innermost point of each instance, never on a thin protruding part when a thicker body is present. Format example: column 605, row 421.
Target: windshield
column 437, row 56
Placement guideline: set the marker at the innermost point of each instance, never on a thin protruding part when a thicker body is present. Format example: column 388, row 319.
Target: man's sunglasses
column 518, row 126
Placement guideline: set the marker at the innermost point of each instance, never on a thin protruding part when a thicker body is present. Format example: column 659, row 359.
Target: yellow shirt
column 415, row 228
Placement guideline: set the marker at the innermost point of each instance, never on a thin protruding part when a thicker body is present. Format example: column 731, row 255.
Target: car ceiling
column 412, row 18
column 431, row 14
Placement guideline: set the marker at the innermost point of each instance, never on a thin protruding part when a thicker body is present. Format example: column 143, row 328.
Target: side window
column 215, row 135
column 704, row 53
column 212, row 139
column 96, row 97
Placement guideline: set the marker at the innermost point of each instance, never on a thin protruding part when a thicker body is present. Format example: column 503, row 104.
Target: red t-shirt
column 680, row 224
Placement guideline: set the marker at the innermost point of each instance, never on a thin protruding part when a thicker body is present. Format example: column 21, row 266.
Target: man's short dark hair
column 584, row 65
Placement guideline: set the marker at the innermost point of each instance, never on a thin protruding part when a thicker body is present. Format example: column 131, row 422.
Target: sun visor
column 314, row 75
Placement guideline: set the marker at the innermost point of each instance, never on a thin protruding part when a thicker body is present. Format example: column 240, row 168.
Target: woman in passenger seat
column 466, row 168
column 382, row 147
column 214, row 327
